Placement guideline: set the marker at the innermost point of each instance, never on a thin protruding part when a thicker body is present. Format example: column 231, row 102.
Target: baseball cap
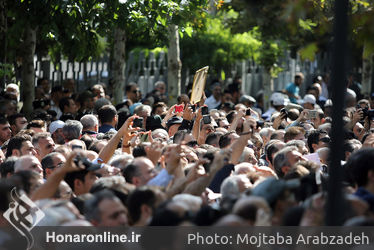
column 247, row 98
column 56, row 125
column 278, row 99
column 174, row 120
column 270, row 189
column 309, row 99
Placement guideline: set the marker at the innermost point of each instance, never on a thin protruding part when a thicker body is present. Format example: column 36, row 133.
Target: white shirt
column 212, row 103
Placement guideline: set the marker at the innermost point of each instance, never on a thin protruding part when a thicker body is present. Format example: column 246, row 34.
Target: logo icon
column 23, row 214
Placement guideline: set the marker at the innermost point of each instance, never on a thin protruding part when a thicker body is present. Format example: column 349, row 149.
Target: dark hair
column 213, row 138
column 84, row 96
column 64, row 102
column 157, row 105
column 47, row 160
column 123, row 115
column 230, row 116
column 12, row 118
column 3, row 120
column 129, row 172
column 129, row 86
column 272, row 149
column 137, row 198
column 16, row 143
column 88, row 140
column 313, row 138
column 139, row 151
column 7, row 166
column 72, row 176
column 107, row 113
column 225, row 139
column 359, row 164
column 165, row 217
column 91, row 206
column 292, row 132
column 36, row 124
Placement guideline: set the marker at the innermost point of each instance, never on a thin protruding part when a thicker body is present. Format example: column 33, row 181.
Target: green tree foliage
column 216, row 46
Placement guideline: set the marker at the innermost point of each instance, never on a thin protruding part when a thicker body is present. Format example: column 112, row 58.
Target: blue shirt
column 105, row 128
column 293, row 89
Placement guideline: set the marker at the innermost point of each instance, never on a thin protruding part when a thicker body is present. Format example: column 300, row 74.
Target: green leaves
column 308, row 52
column 216, row 46
column 307, row 24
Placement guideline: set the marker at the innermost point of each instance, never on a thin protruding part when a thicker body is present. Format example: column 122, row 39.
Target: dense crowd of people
column 223, row 161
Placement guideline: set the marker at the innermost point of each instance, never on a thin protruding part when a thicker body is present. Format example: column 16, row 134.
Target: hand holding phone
column 138, row 122
column 204, row 110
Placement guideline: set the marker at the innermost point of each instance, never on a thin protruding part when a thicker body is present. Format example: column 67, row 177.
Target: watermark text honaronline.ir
column 104, row 237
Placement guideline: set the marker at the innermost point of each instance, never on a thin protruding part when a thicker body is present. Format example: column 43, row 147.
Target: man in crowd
column 226, row 166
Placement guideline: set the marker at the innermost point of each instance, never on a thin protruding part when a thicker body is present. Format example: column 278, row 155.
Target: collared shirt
column 212, row 103
column 90, row 133
column 105, row 128
column 161, row 180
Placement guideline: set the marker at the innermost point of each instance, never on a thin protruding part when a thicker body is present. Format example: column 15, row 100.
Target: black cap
column 174, row 120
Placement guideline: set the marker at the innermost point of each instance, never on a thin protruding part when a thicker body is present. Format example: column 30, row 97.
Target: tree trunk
column 268, row 84
column 174, row 65
column 118, row 65
column 367, row 69
column 28, row 70
column 3, row 41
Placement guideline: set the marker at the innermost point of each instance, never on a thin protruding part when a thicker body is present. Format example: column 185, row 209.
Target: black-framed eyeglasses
column 57, row 166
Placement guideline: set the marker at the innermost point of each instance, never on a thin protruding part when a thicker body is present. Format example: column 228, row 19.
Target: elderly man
column 28, row 163
column 285, row 159
column 90, row 125
column 55, row 128
column 72, row 130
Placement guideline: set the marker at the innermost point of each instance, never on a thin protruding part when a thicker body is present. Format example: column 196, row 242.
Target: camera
column 88, row 165
column 138, row 122
column 312, row 114
column 207, row 119
column 368, row 113
column 193, row 107
column 204, row 110
column 284, row 111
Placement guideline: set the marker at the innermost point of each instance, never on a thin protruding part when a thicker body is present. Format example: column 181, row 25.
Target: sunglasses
column 135, row 91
